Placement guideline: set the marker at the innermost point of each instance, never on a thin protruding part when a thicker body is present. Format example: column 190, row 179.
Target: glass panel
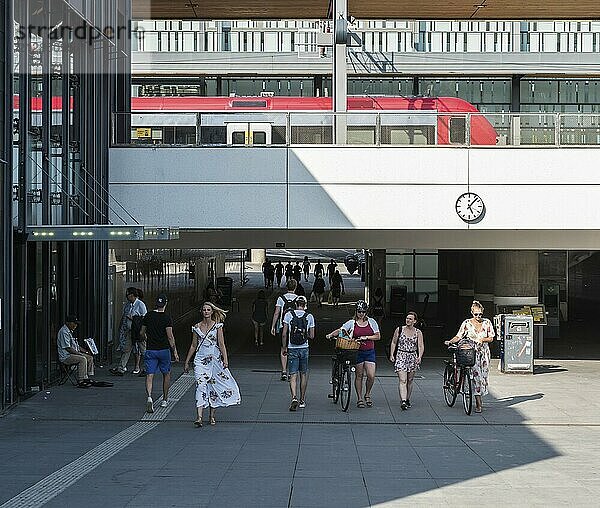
column 259, row 138
column 238, row 138
column 426, row 287
column 409, row 287
column 361, row 136
column 399, row 266
column 426, row 265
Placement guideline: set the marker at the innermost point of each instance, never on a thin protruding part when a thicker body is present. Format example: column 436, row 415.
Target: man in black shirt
column 157, row 331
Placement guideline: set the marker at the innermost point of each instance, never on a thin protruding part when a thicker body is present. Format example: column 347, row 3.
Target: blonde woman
column 477, row 331
column 216, row 386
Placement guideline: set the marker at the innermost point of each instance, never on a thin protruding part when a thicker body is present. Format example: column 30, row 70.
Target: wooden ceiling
column 368, row 9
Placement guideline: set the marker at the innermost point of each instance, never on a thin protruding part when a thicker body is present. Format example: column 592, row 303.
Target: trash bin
column 516, row 343
column 225, row 286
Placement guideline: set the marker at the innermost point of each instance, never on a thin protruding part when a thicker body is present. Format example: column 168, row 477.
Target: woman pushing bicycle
column 365, row 329
column 477, row 332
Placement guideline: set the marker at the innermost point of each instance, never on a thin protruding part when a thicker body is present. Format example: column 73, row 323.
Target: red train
column 265, row 120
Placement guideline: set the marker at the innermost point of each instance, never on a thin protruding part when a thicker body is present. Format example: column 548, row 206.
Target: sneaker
column 163, row 403
column 403, row 406
column 294, row 405
column 302, row 404
column 136, row 371
column 408, row 403
column 283, row 376
column 116, row 372
column 149, row 405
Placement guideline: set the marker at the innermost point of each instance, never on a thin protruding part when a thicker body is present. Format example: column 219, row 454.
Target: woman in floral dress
column 216, row 387
column 477, row 332
column 406, row 353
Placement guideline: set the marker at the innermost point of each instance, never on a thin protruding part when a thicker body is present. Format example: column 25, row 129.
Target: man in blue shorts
column 157, row 330
column 298, row 329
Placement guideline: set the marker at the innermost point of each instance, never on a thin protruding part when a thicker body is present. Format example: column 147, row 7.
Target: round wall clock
column 470, row 208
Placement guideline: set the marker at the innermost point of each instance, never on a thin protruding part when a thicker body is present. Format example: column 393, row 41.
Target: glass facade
column 69, row 76
column 417, row 270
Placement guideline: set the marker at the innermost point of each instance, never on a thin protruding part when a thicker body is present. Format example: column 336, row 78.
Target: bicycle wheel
column 467, row 390
column 345, row 389
column 449, row 387
column 335, row 380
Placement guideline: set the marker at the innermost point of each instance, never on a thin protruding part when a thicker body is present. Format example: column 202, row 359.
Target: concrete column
column 258, row 256
column 516, row 277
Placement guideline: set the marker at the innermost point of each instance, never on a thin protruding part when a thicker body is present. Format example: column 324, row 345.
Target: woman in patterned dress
column 406, row 353
column 216, row 387
column 477, row 332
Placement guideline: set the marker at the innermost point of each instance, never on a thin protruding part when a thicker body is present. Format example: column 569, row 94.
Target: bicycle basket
column 341, row 343
column 465, row 357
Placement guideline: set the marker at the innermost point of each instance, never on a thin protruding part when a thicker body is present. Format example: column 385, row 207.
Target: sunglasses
column 477, row 314
column 361, row 311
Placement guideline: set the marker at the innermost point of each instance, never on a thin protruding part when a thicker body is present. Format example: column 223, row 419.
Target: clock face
column 470, row 207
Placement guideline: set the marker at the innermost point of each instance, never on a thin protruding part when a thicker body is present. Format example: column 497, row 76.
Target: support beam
column 340, row 71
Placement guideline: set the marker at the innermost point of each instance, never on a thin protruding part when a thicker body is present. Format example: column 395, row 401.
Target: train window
column 249, row 104
column 458, row 130
column 259, row 138
column 238, row 138
column 213, row 135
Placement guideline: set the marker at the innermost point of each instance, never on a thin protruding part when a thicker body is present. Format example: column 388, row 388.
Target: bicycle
column 458, row 377
column 342, row 366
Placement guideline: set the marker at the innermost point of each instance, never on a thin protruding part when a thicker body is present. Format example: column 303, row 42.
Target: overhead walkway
column 539, row 187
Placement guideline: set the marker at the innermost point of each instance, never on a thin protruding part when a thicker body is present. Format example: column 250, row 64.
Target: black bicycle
column 458, row 377
column 342, row 366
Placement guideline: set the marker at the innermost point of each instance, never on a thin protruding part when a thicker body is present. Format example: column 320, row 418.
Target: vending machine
column 515, row 334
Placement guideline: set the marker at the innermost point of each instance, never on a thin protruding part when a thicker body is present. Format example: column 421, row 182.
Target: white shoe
column 136, row 371
column 302, row 404
column 149, row 405
column 163, row 403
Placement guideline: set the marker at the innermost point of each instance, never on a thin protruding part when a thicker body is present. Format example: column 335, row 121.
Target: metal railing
column 369, row 128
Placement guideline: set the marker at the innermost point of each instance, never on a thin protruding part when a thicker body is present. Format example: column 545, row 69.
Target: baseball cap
column 71, row 318
column 161, row 300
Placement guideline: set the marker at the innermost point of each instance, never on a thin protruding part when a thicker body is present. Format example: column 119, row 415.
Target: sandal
column 198, row 423
column 360, row 403
column 368, row 401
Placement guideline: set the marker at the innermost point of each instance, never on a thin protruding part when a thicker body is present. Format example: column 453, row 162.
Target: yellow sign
column 143, row 133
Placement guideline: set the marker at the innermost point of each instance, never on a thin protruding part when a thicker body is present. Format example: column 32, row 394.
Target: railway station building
column 456, row 146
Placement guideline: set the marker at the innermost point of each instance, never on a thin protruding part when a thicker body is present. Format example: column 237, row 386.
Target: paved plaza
column 537, row 443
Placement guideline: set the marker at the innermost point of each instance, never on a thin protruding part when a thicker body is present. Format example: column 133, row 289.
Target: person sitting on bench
column 71, row 353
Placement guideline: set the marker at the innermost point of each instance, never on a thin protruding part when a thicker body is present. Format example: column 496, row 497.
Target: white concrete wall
column 357, row 187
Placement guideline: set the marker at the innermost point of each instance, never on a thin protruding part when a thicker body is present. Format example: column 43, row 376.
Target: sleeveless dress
column 406, row 352
column 481, row 369
column 216, row 386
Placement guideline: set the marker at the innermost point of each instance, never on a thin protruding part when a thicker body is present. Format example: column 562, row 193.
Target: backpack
column 288, row 305
column 298, row 329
